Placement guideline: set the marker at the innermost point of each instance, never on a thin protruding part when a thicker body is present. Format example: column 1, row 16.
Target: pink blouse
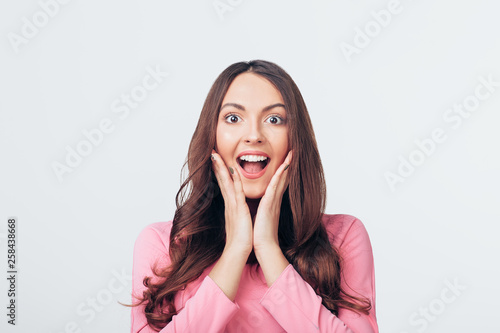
column 289, row 305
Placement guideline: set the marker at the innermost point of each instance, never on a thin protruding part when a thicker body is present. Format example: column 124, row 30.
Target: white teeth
column 253, row 158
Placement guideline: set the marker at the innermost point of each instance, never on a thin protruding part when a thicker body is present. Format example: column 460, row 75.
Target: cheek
column 281, row 145
column 225, row 132
column 225, row 144
column 225, row 139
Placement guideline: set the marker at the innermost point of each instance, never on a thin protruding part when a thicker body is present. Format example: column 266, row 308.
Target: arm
column 297, row 308
column 209, row 310
column 227, row 271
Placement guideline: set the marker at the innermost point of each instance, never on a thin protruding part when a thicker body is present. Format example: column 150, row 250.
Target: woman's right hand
column 239, row 233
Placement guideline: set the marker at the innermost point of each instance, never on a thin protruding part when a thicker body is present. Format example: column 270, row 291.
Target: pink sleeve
column 209, row 310
column 297, row 308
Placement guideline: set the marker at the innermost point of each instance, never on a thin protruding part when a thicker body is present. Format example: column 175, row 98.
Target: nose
column 253, row 133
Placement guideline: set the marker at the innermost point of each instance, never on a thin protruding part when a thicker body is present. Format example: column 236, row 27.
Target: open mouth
column 253, row 166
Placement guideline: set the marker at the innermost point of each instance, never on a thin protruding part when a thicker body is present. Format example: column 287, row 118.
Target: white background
column 76, row 235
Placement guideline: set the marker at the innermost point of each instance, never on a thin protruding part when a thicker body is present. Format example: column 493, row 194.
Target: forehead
column 252, row 90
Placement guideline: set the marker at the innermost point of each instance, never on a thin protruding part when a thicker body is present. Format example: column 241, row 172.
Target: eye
column 231, row 118
column 276, row 120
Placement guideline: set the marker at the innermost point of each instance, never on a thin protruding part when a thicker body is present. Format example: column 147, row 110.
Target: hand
column 237, row 215
column 265, row 234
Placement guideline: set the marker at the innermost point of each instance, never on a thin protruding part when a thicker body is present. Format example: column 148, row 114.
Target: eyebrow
column 242, row 108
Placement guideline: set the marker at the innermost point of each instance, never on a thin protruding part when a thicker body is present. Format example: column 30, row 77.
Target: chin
column 254, row 193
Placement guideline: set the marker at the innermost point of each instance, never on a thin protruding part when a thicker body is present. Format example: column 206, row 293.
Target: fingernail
column 286, row 167
column 212, row 157
column 231, row 170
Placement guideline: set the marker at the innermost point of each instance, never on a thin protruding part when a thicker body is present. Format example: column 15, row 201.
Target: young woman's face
column 252, row 123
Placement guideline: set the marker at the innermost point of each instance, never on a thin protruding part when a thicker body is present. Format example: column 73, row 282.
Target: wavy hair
column 197, row 236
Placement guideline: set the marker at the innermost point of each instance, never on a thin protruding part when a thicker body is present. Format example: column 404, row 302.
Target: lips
column 251, row 175
column 253, row 152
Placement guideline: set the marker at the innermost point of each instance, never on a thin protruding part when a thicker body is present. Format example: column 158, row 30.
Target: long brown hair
column 198, row 231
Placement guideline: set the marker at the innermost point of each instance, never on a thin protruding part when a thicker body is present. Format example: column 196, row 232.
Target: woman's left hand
column 265, row 231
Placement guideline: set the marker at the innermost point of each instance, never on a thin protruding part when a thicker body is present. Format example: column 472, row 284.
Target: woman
column 250, row 248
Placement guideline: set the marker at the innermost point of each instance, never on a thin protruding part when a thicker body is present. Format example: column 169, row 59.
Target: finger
column 283, row 182
column 276, row 185
column 222, row 176
column 238, row 186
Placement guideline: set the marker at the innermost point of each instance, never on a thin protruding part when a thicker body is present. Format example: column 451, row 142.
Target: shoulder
column 151, row 248
column 351, row 239
column 155, row 235
column 357, row 265
column 344, row 230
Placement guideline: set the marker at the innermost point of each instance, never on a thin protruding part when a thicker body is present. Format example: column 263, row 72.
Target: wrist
column 236, row 252
column 272, row 261
column 267, row 249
